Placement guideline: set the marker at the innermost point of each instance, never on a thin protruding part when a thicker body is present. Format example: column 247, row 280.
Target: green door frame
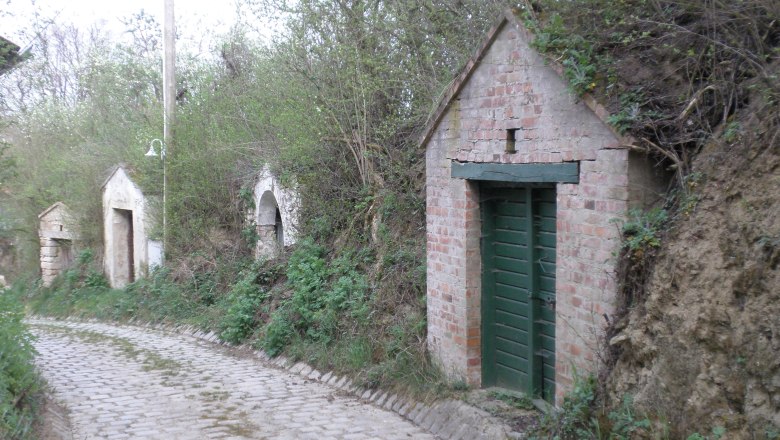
column 534, row 384
column 529, row 177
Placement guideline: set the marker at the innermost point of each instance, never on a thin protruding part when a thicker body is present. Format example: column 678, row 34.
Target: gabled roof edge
column 51, row 208
column 11, row 56
column 126, row 170
column 114, row 169
column 508, row 16
column 460, row 81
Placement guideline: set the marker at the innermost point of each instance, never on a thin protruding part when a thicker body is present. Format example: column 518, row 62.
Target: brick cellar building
column 525, row 184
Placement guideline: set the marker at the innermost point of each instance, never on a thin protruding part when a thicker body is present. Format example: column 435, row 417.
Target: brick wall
column 514, row 88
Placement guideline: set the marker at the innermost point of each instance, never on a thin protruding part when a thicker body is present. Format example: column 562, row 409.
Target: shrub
column 19, row 384
column 625, row 424
column 326, row 296
column 278, row 333
column 583, row 416
column 573, row 419
column 243, row 301
column 96, row 279
column 642, row 229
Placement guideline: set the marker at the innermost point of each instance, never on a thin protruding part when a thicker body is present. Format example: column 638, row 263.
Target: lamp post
column 153, row 153
column 169, row 103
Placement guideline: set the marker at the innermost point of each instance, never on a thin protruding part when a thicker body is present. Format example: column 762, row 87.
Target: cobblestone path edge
column 446, row 419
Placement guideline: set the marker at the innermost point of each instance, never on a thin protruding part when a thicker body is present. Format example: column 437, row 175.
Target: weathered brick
column 516, row 88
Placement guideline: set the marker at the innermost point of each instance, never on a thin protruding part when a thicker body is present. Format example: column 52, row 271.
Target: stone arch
column 270, row 227
column 275, row 216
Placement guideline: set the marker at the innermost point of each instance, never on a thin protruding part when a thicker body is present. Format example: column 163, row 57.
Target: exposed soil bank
column 703, row 350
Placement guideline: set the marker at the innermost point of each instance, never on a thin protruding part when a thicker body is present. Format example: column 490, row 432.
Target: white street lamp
column 153, row 152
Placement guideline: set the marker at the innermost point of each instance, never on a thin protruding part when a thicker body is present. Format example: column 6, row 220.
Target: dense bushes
column 19, row 383
column 328, row 299
column 243, row 302
column 710, row 63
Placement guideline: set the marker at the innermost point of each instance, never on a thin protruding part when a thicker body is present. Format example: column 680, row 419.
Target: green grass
column 20, row 386
column 82, row 292
column 317, row 307
column 515, row 400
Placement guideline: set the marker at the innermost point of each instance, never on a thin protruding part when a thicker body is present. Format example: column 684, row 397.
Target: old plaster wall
column 56, row 232
column 512, row 87
column 275, row 215
column 124, row 207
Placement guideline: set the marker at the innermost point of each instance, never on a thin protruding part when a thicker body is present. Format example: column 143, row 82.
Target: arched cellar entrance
column 270, row 229
column 275, row 215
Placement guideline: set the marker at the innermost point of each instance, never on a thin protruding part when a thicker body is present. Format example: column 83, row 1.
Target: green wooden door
column 518, row 289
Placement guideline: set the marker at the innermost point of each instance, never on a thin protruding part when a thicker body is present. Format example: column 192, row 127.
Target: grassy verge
column 19, row 384
column 314, row 306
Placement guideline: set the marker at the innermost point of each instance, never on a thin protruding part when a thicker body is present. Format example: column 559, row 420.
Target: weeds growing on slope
column 314, row 306
column 19, row 383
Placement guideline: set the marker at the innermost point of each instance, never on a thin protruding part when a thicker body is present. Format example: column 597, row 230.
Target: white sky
column 197, row 21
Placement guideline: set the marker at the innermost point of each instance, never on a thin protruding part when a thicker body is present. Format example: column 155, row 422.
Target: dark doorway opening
column 124, row 254
column 278, row 227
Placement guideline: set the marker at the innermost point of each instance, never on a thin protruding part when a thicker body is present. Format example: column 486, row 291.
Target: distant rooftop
column 9, row 55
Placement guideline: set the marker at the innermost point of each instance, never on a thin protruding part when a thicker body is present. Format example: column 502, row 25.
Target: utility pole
column 169, row 102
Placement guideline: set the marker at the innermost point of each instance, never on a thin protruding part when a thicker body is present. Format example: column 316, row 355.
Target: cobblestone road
column 134, row 383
